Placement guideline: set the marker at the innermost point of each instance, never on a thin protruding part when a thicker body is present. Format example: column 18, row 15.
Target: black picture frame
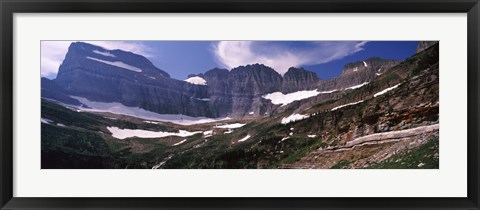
column 10, row 7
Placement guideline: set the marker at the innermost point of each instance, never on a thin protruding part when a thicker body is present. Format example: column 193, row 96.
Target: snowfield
column 104, row 53
column 196, row 81
column 293, row 118
column 278, row 98
column 349, row 104
column 231, row 126
column 127, row 133
column 386, row 90
column 118, row 108
column 118, row 64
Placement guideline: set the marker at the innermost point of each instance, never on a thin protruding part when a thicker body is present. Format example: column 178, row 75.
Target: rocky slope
column 402, row 116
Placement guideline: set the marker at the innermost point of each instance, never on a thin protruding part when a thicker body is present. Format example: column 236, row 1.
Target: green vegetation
column 63, row 115
column 73, row 148
column 425, row 156
column 73, row 141
column 311, row 145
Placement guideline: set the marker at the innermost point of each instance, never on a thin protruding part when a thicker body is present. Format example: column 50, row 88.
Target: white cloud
column 53, row 52
column 282, row 55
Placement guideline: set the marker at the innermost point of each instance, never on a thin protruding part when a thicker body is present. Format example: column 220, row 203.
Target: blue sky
column 181, row 58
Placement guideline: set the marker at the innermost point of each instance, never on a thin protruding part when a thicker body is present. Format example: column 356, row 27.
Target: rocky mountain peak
column 255, row 78
column 298, row 79
column 255, row 69
column 97, row 58
column 216, row 71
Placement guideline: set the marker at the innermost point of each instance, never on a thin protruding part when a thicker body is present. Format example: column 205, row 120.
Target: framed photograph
column 239, row 105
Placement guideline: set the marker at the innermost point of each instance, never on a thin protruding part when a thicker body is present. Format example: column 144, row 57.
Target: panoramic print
column 239, row 104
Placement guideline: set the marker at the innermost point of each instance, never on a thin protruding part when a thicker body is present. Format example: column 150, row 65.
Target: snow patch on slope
column 365, row 64
column 356, row 86
column 202, row 99
column 46, row 121
column 207, row 133
column 231, row 126
column 151, row 122
column 180, row 142
column 349, row 104
column 244, row 138
column 127, row 133
column 293, row 118
column 278, row 98
column 196, row 81
column 118, row 108
column 108, row 54
column 386, row 90
column 118, row 64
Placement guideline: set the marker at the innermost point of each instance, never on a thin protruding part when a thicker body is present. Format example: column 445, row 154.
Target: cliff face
column 297, row 79
column 104, row 75
column 117, row 76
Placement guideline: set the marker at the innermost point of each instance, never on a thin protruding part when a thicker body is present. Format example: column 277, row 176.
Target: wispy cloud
column 53, row 52
column 282, row 55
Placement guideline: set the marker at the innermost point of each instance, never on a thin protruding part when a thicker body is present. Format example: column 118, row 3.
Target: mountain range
column 97, row 74
column 115, row 109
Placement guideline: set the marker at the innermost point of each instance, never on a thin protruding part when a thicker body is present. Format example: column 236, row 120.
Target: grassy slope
column 425, row 156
